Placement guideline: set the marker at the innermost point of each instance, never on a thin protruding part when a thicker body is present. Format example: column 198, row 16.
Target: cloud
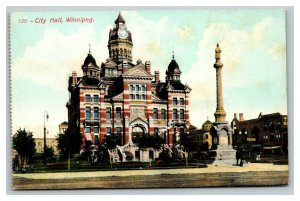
column 53, row 57
column 247, row 63
column 277, row 51
column 147, row 36
column 186, row 33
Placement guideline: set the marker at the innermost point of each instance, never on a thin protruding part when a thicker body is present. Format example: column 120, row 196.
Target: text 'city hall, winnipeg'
column 125, row 99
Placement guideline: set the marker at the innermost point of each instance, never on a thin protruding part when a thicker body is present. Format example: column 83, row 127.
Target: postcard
column 148, row 99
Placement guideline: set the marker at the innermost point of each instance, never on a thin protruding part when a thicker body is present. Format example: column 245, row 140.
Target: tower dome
column 207, row 125
column 89, row 67
column 173, row 73
column 120, row 41
column 173, row 65
column 89, row 60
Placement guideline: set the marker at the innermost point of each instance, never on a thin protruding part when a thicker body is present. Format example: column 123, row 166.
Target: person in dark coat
column 243, row 156
column 238, row 156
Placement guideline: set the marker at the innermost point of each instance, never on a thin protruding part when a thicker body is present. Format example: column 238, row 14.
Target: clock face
column 122, row 32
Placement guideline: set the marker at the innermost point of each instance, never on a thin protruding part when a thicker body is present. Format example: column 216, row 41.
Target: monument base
column 222, row 151
column 223, row 156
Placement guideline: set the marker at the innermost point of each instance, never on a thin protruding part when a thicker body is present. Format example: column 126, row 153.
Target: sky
column 253, row 44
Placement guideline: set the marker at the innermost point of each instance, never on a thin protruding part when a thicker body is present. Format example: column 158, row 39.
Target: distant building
column 202, row 135
column 62, row 127
column 50, row 142
column 268, row 133
column 206, row 136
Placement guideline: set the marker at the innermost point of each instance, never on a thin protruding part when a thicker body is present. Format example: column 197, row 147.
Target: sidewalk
column 210, row 169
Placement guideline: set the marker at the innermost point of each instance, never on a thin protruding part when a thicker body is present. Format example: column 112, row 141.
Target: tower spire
column 89, row 48
column 120, row 18
column 173, row 55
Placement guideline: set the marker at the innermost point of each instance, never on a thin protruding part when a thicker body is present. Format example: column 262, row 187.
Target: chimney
column 241, row 116
column 148, row 66
column 74, row 77
column 235, row 115
column 156, row 76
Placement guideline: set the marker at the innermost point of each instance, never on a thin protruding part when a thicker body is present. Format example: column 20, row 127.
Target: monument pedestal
column 222, row 150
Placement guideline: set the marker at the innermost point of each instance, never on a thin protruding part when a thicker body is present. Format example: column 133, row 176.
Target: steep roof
column 89, row 59
column 120, row 18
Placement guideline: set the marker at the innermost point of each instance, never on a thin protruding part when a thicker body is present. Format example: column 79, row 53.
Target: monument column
column 220, row 114
column 221, row 132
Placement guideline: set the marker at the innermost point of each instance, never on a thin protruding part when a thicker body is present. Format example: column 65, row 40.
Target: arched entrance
column 137, row 128
column 138, row 131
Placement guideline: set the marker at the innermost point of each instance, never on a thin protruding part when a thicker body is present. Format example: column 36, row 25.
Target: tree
column 186, row 145
column 110, row 143
column 203, row 152
column 49, row 152
column 69, row 144
column 148, row 141
column 24, row 144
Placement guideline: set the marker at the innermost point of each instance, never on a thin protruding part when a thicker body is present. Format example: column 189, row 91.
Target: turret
column 89, row 67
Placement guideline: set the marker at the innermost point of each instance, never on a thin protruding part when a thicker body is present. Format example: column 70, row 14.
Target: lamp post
column 46, row 117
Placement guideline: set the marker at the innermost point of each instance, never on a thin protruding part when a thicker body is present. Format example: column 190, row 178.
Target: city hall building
column 122, row 98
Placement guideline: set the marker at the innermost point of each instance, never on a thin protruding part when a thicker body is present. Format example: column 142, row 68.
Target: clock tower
column 120, row 41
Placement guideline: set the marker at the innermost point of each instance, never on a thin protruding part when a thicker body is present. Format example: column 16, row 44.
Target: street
column 212, row 176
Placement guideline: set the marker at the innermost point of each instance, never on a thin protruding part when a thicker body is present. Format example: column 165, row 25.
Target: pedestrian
column 237, row 156
column 242, row 157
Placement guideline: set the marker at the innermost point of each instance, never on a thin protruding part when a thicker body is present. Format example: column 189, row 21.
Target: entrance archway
column 137, row 132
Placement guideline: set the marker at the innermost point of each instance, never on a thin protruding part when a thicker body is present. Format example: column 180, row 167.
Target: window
column 174, row 101
column 137, row 92
column 87, row 112
column 108, row 130
column 96, row 129
column 96, row 98
column 175, row 114
column 163, row 113
column 87, row 130
column 181, row 101
column 155, row 131
column 39, row 144
column 118, row 113
column 96, row 140
column 181, row 114
column 118, row 129
column 108, row 113
column 96, row 112
column 87, row 98
column 155, row 113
